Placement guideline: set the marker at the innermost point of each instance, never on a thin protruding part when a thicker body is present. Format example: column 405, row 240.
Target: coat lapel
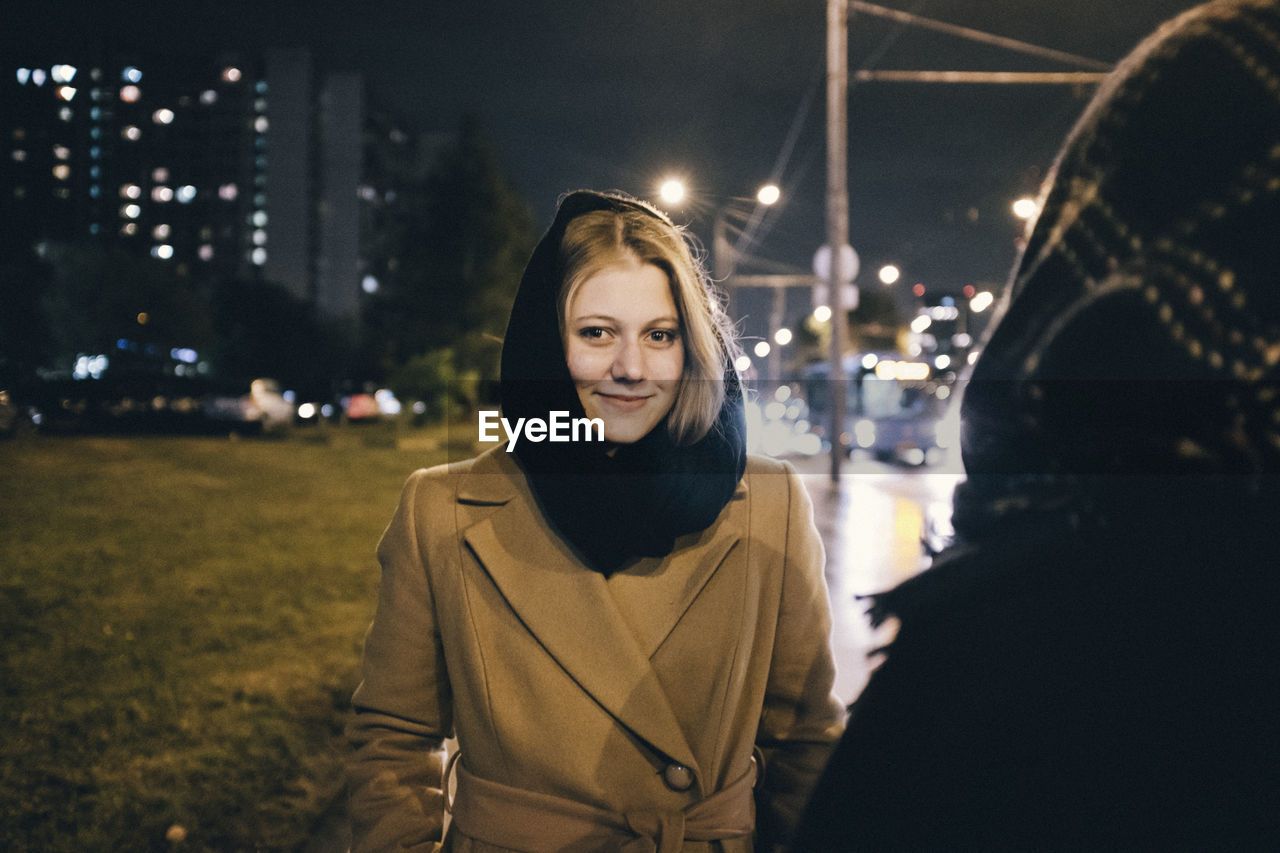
column 655, row 594
column 571, row 610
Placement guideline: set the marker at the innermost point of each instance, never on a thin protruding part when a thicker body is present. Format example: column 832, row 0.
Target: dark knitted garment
column 1093, row 665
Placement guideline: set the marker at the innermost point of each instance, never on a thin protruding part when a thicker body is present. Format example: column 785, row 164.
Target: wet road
column 871, row 522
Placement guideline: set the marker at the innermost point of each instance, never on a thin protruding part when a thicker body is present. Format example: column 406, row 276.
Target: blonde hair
column 600, row 238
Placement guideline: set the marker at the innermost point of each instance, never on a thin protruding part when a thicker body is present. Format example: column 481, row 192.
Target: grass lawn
column 181, row 626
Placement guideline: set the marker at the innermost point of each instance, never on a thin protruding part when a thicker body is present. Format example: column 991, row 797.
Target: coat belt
column 525, row 820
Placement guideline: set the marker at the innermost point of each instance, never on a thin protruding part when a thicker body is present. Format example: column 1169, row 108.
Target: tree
column 24, row 327
column 264, row 330
column 96, row 297
column 463, row 243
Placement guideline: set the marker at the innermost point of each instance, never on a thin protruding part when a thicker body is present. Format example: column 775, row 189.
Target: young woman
column 629, row 638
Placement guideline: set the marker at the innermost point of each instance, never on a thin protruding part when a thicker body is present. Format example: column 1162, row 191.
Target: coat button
column 678, row 777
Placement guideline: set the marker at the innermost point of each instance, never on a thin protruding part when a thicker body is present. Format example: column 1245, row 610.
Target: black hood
column 638, row 501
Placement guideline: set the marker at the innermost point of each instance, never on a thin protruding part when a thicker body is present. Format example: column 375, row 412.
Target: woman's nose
column 628, row 363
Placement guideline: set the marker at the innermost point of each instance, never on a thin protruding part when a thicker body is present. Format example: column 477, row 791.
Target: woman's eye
column 664, row 336
column 591, row 332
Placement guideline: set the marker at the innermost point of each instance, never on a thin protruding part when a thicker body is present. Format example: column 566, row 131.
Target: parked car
column 15, row 418
column 259, row 409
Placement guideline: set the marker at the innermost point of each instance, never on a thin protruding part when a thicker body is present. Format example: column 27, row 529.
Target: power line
column 891, row 76
column 978, row 35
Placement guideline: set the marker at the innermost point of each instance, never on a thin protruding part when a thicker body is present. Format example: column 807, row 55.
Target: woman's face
column 623, row 347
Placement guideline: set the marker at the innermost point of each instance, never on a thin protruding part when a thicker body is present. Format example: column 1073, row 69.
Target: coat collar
column 573, row 611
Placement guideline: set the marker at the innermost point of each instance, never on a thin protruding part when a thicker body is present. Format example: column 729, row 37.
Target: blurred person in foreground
column 630, row 638
column 1095, row 663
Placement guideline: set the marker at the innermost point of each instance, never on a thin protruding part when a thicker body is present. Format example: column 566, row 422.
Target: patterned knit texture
column 1141, row 330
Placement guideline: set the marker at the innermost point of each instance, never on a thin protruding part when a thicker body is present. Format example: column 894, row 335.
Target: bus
column 894, row 407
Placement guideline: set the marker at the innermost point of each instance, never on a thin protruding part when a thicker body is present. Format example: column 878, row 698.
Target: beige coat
column 560, row 681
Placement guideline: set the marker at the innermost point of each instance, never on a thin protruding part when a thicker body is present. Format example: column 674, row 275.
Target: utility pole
column 837, row 210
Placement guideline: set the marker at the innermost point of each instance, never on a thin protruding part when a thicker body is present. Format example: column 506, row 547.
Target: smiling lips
column 626, row 402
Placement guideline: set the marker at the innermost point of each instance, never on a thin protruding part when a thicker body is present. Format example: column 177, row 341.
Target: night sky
column 619, row 93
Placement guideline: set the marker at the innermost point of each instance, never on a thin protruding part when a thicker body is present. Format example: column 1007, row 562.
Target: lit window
column 62, row 171
column 186, row 193
column 130, row 94
column 261, row 124
column 24, row 74
column 95, row 191
column 368, row 193
column 130, row 211
column 369, row 284
column 95, row 133
column 19, row 155
column 62, row 152
column 205, row 252
column 131, row 132
column 208, row 96
column 94, row 228
column 95, row 74
column 65, row 113
column 164, row 251
column 231, row 74
column 161, row 232
column 63, row 73
column 95, row 113
column 129, row 229
column 259, row 199
column 260, row 105
column 260, row 87
column 95, row 95
column 66, row 93
column 259, row 256
column 160, row 174
column 95, row 171
column 259, row 218
column 130, row 191
column 19, row 133
column 38, row 77
column 259, row 237
column 228, row 192
column 62, row 192
column 131, row 75
column 162, row 194
column 162, row 116
column 95, row 152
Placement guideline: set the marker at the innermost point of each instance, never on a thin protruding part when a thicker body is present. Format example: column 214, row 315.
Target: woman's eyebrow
column 584, row 318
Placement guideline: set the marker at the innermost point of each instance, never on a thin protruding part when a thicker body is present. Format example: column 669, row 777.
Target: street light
column 672, row 191
column 889, row 273
column 1025, row 208
column 782, row 337
column 822, row 313
column 769, row 194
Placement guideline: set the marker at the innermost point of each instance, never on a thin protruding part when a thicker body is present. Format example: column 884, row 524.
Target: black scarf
column 610, row 509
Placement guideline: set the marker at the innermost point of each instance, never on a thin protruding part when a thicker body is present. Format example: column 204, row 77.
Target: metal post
column 722, row 260
column 837, row 210
column 776, row 318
